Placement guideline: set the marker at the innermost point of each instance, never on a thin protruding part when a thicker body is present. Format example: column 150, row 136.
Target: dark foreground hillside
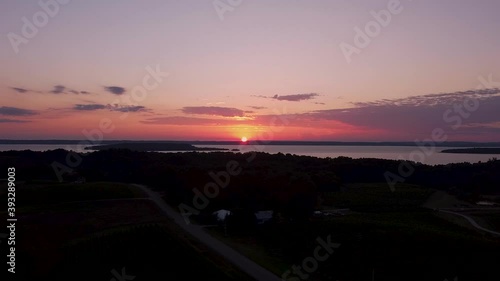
column 281, row 207
column 101, row 230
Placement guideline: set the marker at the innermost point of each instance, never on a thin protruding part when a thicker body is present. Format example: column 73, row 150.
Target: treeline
column 265, row 181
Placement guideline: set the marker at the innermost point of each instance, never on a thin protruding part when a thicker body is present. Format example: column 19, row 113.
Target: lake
column 381, row 152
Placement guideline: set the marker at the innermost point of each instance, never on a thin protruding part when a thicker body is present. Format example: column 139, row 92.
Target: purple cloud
column 14, row 111
column 115, row 90
column 419, row 114
column 119, row 108
column 213, row 110
column 89, row 107
column 297, row 97
column 58, row 89
column 2, row 120
column 259, row 120
column 188, row 121
column 131, row 108
column 402, row 119
column 433, row 99
column 20, row 90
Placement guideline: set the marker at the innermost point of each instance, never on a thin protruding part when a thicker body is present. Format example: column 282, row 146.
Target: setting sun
column 244, row 139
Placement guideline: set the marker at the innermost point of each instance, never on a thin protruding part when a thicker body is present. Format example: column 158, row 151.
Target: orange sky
column 182, row 71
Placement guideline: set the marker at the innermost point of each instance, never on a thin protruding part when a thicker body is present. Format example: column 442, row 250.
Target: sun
column 244, row 139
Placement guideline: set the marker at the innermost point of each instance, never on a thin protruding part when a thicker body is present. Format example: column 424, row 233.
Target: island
column 482, row 150
column 153, row 146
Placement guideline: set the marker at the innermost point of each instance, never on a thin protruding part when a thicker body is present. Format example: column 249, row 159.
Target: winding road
column 245, row 264
column 471, row 221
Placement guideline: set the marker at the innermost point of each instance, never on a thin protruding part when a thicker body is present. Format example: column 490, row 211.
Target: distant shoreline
column 153, row 146
column 483, row 150
column 256, row 142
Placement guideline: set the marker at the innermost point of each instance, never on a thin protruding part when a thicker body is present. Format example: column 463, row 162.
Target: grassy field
column 387, row 232
column 80, row 232
column 149, row 252
column 252, row 247
column 84, row 231
column 376, row 197
column 33, row 194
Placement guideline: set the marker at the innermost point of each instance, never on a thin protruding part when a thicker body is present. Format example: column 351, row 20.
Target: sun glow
column 244, row 139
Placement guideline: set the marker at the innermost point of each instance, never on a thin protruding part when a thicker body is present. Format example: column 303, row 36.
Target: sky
column 325, row 70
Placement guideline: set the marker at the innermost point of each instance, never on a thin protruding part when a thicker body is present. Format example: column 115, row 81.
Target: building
column 264, row 216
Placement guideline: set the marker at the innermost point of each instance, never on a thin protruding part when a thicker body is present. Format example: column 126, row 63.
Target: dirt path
column 240, row 261
column 471, row 221
column 446, row 203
